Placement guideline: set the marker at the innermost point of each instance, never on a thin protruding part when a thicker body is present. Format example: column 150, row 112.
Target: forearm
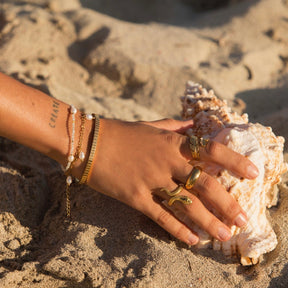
column 36, row 120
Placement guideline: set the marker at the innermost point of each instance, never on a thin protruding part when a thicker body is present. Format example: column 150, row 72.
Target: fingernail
column 240, row 220
column 192, row 239
column 252, row 171
column 224, row 234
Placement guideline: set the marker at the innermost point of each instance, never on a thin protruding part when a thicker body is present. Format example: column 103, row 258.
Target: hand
column 135, row 160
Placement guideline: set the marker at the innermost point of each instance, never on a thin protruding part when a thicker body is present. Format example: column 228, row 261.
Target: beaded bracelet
column 71, row 160
column 73, row 112
column 78, row 153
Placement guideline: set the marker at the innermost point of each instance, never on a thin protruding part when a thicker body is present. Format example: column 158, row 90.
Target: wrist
column 88, row 132
column 59, row 139
column 79, row 138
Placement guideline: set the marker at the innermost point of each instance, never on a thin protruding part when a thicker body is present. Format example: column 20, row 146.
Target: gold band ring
column 195, row 143
column 175, row 191
column 194, row 175
column 182, row 198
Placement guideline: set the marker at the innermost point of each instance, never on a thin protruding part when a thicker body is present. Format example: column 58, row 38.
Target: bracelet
column 87, row 169
column 79, row 154
column 69, row 165
column 73, row 112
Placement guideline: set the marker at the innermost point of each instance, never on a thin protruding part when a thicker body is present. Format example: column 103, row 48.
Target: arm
column 38, row 121
column 133, row 160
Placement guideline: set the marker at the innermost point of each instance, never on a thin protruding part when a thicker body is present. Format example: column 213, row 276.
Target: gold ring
column 195, row 143
column 203, row 142
column 194, row 147
column 182, row 198
column 175, row 191
column 194, row 175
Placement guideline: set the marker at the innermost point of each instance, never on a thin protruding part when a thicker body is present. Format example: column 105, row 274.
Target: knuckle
column 213, row 148
column 181, row 232
column 232, row 209
column 207, row 182
column 213, row 225
column 171, row 137
column 139, row 197
column 138, row 192
column 180, row 215
column 243, row 163
column 163, row 218
column 238, row 159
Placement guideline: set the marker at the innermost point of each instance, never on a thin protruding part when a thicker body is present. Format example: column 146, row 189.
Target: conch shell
column 213, row 119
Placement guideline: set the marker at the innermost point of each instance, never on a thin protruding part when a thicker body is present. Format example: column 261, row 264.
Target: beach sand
column 131, row 61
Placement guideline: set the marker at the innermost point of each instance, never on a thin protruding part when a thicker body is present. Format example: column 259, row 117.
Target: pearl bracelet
column 73, row 112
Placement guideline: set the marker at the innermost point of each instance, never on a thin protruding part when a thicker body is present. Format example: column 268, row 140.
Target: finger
column 229, row 159
column 220, row 154
column 211, row 191
column 167, row 221
column 198, row 214
column 171, row 125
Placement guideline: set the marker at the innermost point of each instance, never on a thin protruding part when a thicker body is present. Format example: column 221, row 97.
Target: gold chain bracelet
column 87, row 169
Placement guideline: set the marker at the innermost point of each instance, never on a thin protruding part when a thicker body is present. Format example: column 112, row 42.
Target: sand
column 131, row 62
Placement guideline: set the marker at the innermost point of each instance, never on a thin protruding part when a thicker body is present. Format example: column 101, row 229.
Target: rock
column 13, row 244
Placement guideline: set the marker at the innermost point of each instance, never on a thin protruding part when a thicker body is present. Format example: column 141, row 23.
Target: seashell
column 214, row 119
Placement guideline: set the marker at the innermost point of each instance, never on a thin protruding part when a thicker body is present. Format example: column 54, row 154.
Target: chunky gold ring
column 182, row 198
column 194, row 175
column 175, row 191
column 194, row 147
column 195, row 143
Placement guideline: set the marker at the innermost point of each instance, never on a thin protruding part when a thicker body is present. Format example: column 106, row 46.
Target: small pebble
column 13, row 244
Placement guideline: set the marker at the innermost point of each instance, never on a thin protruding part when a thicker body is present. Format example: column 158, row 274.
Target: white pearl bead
column 81, row 156
column 73, row 110
column 89, row 117
column 71, row 158
column 69, row 180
